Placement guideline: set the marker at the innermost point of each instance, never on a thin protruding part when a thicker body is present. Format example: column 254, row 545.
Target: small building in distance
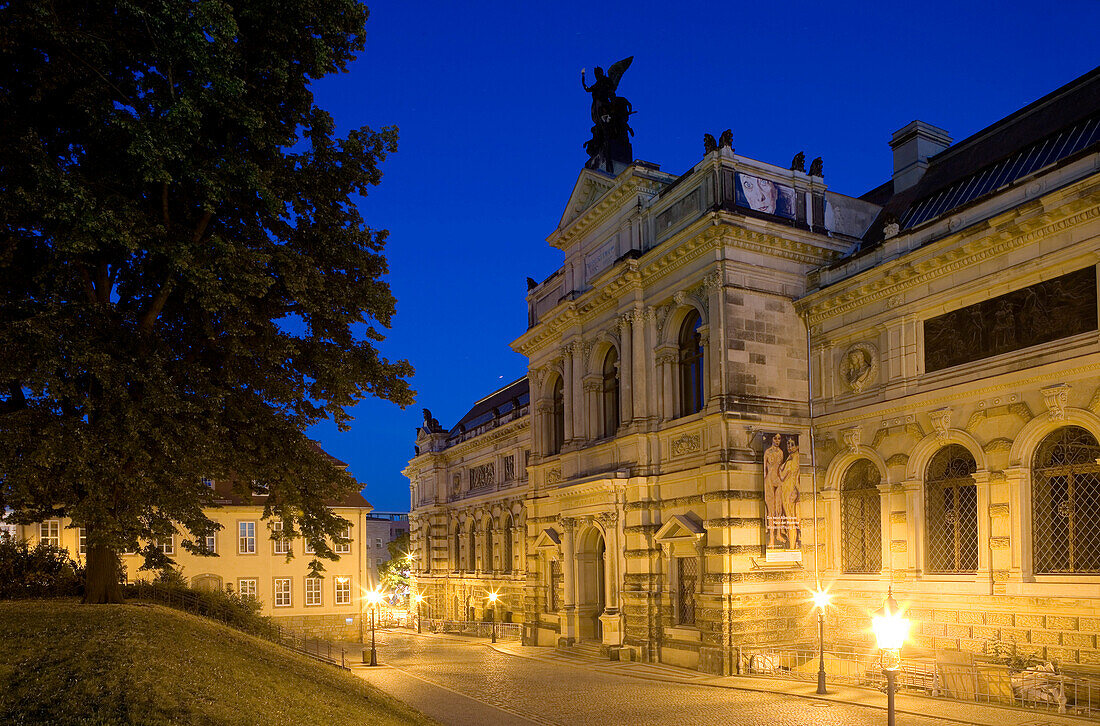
column 381, row 528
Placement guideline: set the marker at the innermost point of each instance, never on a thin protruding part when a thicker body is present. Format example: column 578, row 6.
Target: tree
column 394, row 572
column 187, row 283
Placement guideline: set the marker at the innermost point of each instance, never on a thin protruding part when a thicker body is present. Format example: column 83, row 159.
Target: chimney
column 912, row 145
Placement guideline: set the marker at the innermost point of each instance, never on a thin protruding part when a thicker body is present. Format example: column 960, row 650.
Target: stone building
column 742, row 384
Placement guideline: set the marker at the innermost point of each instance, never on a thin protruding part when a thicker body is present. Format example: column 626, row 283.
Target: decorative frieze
column 553, row 476
column 482, row 476
column 687, row 444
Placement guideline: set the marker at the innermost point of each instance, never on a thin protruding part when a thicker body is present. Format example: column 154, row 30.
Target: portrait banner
column 764, row 195
column 782, row 497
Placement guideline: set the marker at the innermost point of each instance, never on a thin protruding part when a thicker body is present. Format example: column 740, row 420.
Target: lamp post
column 492, row 598
column 821, row 599
column 419, row 599
column 373, row 597
column 891, row 628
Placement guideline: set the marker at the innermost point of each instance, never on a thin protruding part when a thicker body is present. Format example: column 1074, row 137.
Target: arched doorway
column 591, row 581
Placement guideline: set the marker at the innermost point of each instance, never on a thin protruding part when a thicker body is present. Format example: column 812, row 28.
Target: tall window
column 506, row 555
column 82, row 541
column 280, row 544
column 246, row 586
column 456, row 550
column 343, row 590
column 861, row 519
column 687, row 577
column 488, row 564
column 426, row 561
column 610, row 393
column 557, row 417
column 471, row 553
column 1065, row 502
column 210, row 543
column 555, row 585
column 246, row 538
column 49, row 532
column 952, row 511
column 282, row 592
column 313, row 591
column 343, row 548
column 691, row 365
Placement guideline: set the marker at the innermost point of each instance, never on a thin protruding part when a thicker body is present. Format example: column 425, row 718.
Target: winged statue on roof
column 610, row 112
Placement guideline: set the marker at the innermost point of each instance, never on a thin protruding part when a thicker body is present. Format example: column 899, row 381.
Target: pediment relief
column 678, row 529
column 590, row 187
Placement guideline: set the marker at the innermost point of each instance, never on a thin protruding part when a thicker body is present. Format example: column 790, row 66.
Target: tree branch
column 200, row 228
column 149, row 317
column 89, row 286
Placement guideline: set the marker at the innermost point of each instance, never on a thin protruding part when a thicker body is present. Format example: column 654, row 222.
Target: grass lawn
column 66, row 663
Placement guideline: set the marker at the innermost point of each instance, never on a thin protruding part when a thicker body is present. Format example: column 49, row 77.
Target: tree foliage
column 44, row 570
column 187, row 283
column 393, row 574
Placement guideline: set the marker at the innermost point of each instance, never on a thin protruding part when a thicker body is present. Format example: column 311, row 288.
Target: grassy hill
column 66, row 663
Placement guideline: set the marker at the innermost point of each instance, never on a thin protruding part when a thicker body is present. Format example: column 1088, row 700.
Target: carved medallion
column 859, row 366
column 687, row 444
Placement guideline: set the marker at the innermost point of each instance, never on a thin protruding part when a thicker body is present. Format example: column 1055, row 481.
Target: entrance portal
column 591, row 574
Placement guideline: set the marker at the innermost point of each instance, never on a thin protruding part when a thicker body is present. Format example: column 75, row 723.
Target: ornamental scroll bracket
column 851, row 437
column 1056, row 397
column 941, row 422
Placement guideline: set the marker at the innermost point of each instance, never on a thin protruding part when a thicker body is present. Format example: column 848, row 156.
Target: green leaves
column 171, row 195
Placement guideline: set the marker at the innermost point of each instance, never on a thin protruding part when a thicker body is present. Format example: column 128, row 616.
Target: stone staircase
column 586, row 649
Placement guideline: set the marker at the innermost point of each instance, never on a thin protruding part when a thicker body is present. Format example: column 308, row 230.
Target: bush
column 40, row 571
column 239, row 611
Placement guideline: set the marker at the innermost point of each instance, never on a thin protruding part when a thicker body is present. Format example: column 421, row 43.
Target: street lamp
column 821, row 599
column 373, row 597
column 890, row 627
column 492, row 598
column 419, row 599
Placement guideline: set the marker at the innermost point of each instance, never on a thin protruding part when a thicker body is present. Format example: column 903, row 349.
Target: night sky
column 492, row 119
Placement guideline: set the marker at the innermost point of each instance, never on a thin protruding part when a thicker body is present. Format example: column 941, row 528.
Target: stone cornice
column 948, row 255
column 512, row 428
column 565, row 237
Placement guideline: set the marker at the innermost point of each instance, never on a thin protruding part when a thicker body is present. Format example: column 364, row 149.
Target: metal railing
column 477, row 629
column 262, row 627
column 983, row 681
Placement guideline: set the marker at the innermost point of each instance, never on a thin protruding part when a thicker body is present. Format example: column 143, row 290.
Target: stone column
column 914, row 525
column 666, row 356
column 653, row 408
column 610, row 551
column 569, row 626
column 626, row 378
column 985, row 566
column 567, row 392
column 638, row 374
column 580, row 431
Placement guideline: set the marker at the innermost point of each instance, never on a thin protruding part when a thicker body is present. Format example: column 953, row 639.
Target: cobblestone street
column 474, row 683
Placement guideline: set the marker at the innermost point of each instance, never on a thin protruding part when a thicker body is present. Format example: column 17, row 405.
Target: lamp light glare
column 821, row 598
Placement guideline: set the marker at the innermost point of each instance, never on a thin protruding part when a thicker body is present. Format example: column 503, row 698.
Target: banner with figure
column 782, row 498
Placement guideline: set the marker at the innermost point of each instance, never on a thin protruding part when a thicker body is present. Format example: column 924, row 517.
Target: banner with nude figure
column 782, row 498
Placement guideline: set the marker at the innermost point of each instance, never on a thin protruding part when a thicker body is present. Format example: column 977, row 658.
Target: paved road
column 462, row 682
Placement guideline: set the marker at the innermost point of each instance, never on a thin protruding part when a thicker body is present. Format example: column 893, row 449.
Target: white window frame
column 283, row 592
column 313, row 591
column 9, row 530
column 248, row 587
column 168, row 548
column 82, row 541
column 307, row 547
column 279, row 546
column 246, row 537
column 342, row 590
column 345, row 548
column 377, row 542
column 210, row 543
column 378, row 562
column 50, row 532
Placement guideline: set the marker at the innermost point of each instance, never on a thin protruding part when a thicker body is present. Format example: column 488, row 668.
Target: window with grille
column 343, row 590
column 488, row 564
column 1065, row 503
column 457, row 553
column 506, row 558
column 861, row 519
column 555, row 584
column 951, row 515
column 471, row 553
column 687, row 577
column 691, row 365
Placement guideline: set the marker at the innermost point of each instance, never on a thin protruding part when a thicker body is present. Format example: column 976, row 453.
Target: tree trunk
column 101, row 576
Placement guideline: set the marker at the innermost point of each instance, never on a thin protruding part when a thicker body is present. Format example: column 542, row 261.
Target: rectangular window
column 377, row 541
column 687, row 571
column 246, row 586
column 343, row 590
column 167, row 544
column 210, row 544
column 282, row 592
column 8, row 530
column 49, row 532
column 281, row 546
column 345, row 548
column 378, row 562
column 82, row 541
column 307, row 547
column 246, row 538
column 313, row 591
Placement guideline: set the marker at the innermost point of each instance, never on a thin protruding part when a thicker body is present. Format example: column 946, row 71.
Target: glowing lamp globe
column 492, row 597
column 821, row 598
column 374, row 597
column 418, row 598
column 889, row 625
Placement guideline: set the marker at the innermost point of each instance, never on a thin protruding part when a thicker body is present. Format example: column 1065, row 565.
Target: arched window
column 506, row 555
column 426, row 559
column 861, row 519
column 1065, row 503
column 611, row 393
column 487, row 565
column 691, row 365
column 471, row 554
column 557, row 417
column 951, row 516
column 456, row 553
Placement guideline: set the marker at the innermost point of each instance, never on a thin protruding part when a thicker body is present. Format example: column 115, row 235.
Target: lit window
column 345, row 547
column 280, row 543
column 313, row 591
column 8, row 530
column 82, row 541
column 49, row 532
column 258, row 489
column 247, row 587
column 343, row 590
column 246, row 539
column 282, row 592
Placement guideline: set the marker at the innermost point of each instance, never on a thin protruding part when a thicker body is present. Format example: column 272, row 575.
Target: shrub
column 239, row 611
column 40, row 571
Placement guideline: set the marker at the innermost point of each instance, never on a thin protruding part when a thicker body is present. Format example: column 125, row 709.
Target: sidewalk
column 962, row 711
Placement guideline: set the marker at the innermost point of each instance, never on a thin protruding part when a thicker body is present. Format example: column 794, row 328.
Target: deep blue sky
column 492, row 117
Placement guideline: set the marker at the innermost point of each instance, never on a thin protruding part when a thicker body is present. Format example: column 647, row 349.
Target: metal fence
column 505, row 631
column 237, row 618
column 982, row 681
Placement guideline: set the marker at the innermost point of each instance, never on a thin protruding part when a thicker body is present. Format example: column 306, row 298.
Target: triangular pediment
column 679, row 527
column 590, row 187
column 547, row 539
